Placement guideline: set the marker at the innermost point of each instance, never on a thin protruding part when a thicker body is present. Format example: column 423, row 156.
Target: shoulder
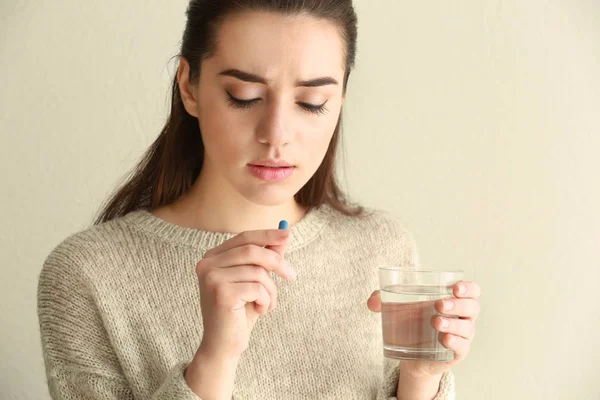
column 87, row 250
column 380, row 230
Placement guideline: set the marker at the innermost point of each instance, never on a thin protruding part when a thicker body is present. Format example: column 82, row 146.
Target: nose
column 272, row 128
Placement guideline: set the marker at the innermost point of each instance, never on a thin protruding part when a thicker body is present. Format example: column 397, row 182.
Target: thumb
column 374, row 302
column 281, row 248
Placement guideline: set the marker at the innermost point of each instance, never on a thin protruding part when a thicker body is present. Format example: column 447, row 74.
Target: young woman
column 186, row 289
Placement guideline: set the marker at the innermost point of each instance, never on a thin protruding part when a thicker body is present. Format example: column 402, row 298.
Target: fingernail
column 290, row 270
column 462, row 289
column 445, row 323
column 293, row 273
column 448, row 305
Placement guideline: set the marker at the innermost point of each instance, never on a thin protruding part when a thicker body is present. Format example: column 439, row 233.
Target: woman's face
column 272, row 93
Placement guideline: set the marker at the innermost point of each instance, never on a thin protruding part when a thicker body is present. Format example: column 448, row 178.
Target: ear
column 187, row 91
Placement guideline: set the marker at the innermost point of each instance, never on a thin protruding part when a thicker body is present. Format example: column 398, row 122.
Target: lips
column 271, row 163
column 271, row 170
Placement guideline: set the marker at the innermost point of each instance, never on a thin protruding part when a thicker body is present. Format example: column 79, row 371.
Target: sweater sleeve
column 80, row 362
column 404, row 252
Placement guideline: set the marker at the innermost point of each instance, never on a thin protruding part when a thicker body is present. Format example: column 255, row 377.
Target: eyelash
column 243, row 104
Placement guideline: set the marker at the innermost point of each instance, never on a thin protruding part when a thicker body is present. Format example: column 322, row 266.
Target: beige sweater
column 119, row 312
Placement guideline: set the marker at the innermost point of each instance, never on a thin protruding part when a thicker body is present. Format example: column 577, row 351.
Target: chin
column 268, row 196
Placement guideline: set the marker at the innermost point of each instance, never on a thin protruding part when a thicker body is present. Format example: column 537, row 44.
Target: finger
column 254, row 255
column 374, row 302
column 459, row 327
column 251, row 292
column 261, row 238
column 464, row 308
column 247, row 273
column 460, row 346
column 467, row 290
column 281, row 248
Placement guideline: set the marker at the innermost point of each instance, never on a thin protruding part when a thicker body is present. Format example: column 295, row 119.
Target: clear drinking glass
column 408, row 312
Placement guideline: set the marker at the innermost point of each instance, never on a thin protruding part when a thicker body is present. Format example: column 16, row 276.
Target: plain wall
column 477, row 123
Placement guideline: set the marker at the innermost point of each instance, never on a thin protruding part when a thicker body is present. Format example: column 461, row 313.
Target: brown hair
column 173, row 162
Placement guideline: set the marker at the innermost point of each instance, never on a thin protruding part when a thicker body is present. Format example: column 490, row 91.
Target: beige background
column 475, row 122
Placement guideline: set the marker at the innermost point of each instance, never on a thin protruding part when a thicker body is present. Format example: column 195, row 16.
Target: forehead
column 273, row 45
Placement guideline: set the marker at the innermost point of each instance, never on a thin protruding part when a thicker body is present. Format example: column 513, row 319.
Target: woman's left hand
column 455, row 333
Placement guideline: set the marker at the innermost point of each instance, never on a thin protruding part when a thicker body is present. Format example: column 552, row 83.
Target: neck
column 216, row 207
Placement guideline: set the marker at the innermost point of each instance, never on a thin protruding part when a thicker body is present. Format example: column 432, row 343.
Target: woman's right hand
column 236, row 287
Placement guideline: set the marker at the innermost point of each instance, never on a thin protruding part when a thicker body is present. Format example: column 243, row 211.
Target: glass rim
column 411, row 269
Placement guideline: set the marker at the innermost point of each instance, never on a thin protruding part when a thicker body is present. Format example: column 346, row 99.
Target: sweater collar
column 303, row 232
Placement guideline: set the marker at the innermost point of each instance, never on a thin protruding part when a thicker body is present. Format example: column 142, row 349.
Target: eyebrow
column 247, row 77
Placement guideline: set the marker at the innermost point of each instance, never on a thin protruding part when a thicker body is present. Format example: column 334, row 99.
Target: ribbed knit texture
column 119, row 312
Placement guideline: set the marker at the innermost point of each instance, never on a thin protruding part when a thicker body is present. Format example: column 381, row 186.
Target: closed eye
column 318, row 109
column 315, row 109
column 239, row 103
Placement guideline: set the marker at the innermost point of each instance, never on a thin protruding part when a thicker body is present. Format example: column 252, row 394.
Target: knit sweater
column 119, row 312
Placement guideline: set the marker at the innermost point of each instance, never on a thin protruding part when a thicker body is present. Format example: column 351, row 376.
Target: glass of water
column 407, row 314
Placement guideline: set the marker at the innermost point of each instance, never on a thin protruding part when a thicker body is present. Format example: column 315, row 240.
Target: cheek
column 224, row 138
column 222, row 146
column 316, row 145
